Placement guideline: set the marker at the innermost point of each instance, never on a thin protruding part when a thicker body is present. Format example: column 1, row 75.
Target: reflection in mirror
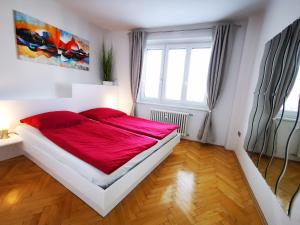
column 273, row 135
column 290, row 185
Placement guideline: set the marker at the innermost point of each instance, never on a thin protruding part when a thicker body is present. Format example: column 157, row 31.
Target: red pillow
column 53, row 120
column 102, row 113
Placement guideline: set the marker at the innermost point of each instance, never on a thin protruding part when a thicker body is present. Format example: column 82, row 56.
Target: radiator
column 179, row 118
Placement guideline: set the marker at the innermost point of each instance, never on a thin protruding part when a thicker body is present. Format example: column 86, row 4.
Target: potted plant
column 106, row 62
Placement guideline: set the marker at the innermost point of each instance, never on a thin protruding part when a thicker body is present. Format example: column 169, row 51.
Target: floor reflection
column 12, row 197
column 167, row 195
column 184, row 189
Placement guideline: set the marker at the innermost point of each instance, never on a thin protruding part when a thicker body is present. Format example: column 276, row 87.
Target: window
column 291, row 103
column 176, row 74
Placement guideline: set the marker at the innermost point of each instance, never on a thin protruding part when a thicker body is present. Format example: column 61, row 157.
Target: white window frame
column 162, row 100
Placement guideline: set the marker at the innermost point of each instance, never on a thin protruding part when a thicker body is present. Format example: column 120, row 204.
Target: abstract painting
column 40, row 42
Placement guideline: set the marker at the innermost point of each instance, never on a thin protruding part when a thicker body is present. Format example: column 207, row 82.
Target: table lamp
column 4, row 125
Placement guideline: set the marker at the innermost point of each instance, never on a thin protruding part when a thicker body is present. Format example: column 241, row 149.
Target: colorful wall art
column 40, row 42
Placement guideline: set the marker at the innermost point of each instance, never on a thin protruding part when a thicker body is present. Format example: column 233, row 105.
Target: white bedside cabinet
column 9, row 147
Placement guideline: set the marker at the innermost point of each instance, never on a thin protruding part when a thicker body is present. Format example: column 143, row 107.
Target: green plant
column 106, row 62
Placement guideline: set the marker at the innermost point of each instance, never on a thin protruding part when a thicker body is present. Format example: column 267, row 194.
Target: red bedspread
column 141, row 126
column 102, row 146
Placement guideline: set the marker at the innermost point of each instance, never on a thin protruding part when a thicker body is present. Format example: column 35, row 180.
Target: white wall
column 221, row 113
column 22, row 79
column 242, row 104
column 278, row 15
column 121, row 69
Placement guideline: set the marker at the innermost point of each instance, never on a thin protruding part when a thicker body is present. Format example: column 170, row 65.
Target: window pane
column 197, row 78
column 175, row 72
column 152, row 73
column 291, row 103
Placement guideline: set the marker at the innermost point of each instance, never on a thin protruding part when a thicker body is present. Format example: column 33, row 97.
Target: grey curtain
column 137, row 42
column 215, row 75
column 278, row 71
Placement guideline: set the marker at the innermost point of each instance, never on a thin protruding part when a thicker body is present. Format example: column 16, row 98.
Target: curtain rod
column 191, row 29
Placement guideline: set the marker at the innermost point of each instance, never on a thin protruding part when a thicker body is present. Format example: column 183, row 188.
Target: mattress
column 34, row 139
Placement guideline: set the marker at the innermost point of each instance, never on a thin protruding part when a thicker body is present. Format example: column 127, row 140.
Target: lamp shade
column 4, row 123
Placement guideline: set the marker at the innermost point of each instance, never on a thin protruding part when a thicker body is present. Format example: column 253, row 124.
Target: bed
column 96, row 176
column 101, row 191
column 134, row 124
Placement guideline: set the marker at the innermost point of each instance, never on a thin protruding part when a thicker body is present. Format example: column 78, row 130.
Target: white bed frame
column 101, row 200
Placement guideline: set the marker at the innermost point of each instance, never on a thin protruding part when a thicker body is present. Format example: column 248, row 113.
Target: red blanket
column 141, row 126
column 102, row 146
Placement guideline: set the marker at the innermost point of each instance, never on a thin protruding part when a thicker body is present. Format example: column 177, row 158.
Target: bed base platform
column 101, row 200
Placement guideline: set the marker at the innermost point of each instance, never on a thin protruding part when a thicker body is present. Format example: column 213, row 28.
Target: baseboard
column 263, row 219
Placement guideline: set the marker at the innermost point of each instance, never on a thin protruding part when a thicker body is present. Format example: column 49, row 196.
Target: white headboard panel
column 84, row 96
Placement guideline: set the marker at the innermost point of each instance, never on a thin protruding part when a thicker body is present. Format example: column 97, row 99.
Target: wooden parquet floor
column 196, row 184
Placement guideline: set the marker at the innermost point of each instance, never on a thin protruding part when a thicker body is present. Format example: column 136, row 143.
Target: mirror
column 273, row 136
column 270, row 165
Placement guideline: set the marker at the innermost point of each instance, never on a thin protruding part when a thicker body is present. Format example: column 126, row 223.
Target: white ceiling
column 128, row 14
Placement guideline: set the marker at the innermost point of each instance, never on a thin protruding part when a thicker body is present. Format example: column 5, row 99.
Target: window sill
column 197, row 108
column 289, row 116
column 286, row 118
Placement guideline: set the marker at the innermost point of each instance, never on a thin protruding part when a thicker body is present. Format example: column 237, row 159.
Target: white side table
column 13, row 139
column 8, row 148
